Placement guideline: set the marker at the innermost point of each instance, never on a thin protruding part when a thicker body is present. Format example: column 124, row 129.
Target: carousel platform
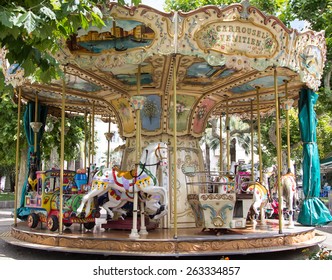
column 161, row 242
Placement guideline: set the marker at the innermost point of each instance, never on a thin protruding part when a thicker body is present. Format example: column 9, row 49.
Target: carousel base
column 161, row 242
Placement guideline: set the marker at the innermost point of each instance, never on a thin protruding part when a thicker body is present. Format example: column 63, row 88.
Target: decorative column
column 137, row 101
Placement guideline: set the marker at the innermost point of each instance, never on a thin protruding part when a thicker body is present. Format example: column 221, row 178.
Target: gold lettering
column 249, row 31
column 228, row 38
column 258, row 34
column 224, row 28
column 253, row 41
column 244, row 30
column 254, row 32
column 218, row 28
column 230, row 29
column 238, row 29
column 258, row 43
column 244, row 39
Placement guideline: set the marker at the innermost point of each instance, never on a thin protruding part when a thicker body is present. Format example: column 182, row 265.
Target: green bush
column 7, row 196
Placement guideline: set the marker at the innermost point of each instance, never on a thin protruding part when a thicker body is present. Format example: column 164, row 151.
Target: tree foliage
column 31, row 31
column 73, row 138
column 268, row 6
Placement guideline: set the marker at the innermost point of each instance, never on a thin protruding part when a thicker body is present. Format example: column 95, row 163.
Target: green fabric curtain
column 29, row 116
column 313, row 211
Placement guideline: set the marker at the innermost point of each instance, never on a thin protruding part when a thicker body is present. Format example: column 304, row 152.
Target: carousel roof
column 220, row 56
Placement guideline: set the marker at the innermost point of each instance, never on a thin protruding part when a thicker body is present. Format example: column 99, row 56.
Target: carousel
column 160, row 77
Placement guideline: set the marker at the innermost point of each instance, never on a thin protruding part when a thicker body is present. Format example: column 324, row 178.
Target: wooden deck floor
column 162, row 242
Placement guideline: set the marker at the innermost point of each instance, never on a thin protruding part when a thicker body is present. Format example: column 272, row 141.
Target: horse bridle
column 159, row 156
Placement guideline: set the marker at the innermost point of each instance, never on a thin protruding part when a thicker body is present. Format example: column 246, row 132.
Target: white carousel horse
column 122, row 186
column 260, row 200
column 288, row 188
column 288, row 193
column 260, row 195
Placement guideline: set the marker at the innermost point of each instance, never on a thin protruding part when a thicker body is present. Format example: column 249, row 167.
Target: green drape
column 29, row 116
column 313, row 211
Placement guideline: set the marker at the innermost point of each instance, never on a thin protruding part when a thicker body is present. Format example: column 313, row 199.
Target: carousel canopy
column 220, row 57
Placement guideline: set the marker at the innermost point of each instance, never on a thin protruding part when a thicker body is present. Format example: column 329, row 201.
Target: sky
column 157, row 4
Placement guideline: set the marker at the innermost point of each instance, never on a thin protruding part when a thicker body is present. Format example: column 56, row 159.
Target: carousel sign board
column 237, row 37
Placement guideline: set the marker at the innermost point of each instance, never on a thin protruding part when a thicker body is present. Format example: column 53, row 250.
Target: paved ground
column 8, row 251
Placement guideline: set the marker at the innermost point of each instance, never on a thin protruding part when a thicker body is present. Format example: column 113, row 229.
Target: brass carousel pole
column 85, row 139
column 36, row 120
column 175, row 206
column 287, row 108
column 108, row 142
column 280, row 139
column 175, row 150
column 278, row 150
column 89, row 142
column 62, row 152
column 259, row 138
column 17, row 153
column 221, row 146
column 93, row 132
column 227, row 137
column 252, row 140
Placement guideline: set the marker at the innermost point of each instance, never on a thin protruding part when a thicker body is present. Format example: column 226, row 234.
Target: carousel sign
column 237, row 38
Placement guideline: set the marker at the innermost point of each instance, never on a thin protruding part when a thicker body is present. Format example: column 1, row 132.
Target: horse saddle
column 129, row 175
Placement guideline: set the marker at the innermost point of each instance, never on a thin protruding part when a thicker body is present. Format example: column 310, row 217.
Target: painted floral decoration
column 150, row 109
column 210, row 38
column 180, row 108
column 201, row 112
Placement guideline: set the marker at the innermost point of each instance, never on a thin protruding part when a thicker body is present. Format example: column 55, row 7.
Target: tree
column 268, row 6
column 31, row 32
